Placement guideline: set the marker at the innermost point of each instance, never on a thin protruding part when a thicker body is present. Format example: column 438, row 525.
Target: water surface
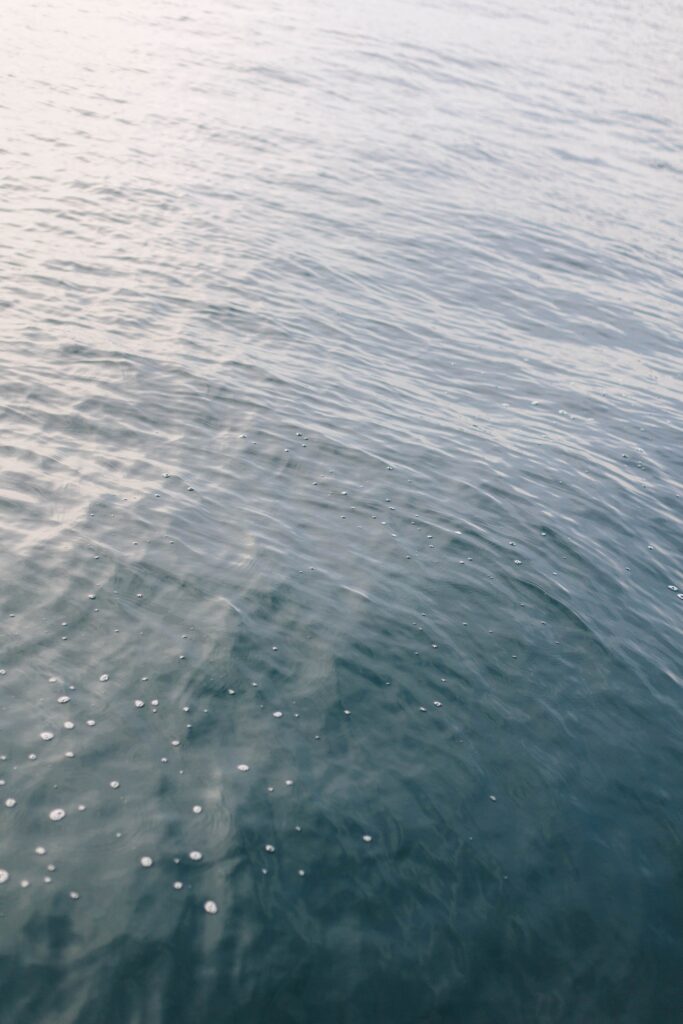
column 341, row 430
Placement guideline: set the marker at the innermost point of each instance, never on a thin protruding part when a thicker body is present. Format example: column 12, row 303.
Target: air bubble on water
column 57, row 814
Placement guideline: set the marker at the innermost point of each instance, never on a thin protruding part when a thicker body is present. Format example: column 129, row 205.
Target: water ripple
column 341, row 496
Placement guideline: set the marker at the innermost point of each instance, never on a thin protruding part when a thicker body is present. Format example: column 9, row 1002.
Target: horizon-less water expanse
column 341, row 512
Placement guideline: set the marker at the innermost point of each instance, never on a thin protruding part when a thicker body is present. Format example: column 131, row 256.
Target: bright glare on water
column 341, row 481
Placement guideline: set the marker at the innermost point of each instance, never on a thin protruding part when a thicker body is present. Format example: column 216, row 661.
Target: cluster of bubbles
column 58, row 814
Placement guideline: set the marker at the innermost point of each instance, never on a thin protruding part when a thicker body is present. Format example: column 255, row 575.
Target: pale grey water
column 341, row 374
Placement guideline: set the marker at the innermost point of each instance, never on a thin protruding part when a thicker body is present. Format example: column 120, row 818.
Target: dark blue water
column 342, row 438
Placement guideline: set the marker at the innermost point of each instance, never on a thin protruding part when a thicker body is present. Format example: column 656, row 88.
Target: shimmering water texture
column 340, row 509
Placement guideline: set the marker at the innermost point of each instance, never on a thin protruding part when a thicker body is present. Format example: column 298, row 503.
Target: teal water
column 342, row 367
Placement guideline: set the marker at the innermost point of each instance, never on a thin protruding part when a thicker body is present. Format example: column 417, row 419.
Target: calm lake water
column 342, row 439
